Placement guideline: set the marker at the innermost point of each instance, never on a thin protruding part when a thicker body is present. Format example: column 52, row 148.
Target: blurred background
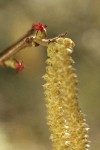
column 22, row 106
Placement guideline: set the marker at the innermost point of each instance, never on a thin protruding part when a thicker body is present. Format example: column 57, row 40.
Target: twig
column 14, row 48
column 29, row 39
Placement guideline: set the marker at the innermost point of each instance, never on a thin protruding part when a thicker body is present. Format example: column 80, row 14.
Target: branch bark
column 29, row 39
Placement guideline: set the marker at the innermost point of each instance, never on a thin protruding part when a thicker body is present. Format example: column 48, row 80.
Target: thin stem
column 14, row 48
column 29, row 39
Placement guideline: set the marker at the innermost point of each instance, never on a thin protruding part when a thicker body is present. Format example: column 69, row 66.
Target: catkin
column 66, row 121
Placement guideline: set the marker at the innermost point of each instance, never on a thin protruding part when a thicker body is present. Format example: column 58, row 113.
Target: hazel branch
column 34, row 37
column 16, row 47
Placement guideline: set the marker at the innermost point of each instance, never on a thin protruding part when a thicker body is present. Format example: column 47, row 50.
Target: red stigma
column 39, row 26
column 20, row 66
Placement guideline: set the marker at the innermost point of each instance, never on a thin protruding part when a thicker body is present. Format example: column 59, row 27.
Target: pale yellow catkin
column 66, row 122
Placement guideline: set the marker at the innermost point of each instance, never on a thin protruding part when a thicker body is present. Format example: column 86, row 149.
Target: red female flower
column 39, row 26
column 20, row 66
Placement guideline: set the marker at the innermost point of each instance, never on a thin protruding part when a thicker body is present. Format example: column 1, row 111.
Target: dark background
column 22, row 105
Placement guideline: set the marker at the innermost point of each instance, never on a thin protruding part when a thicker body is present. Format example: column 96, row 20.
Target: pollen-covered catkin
column 66, row 122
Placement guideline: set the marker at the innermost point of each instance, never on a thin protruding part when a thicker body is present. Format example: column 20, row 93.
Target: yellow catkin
column 66, row 122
